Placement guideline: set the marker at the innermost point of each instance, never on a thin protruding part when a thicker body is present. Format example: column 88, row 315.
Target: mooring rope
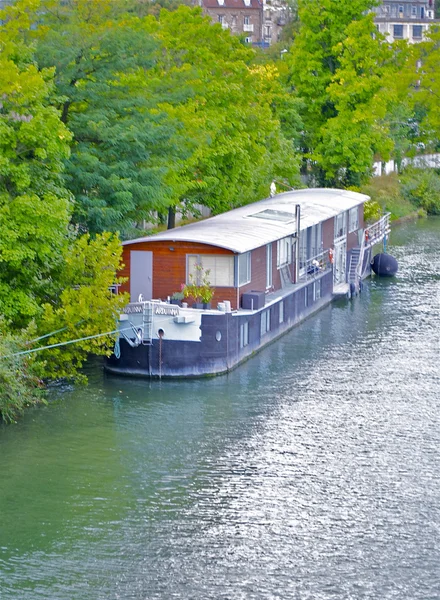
column 88, row 337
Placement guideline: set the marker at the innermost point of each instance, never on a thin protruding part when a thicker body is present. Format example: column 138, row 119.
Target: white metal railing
column 376, row 232
column 248, row 27
column 314, row 266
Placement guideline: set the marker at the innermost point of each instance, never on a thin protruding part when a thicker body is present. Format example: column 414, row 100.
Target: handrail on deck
column 378, row 230
column 312, row 267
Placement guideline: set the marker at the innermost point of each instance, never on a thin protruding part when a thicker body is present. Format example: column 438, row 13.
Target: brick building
column 405, row 19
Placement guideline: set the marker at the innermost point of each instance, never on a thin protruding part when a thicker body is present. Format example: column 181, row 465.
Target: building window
column 414, row 11
column 401, row 9
column 244, row 268
column 417, row 32
column 267, row 31
column 244, row 334
column 221, row 19
column 281, row 312
column 246, row 20
column 284, row 252
column 398, row 31
column 353, row 219
column 220, row 267
column 248, row 40
column 265, row 322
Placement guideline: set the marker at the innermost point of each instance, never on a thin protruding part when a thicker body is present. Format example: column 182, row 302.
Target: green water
column 309, row 472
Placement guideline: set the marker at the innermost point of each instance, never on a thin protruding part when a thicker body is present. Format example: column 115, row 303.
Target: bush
column 386, row 194
column 421, row 187
column 19, row 384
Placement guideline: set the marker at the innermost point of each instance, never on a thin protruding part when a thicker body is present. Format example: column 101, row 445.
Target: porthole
column 218, row 335
column 160, row 333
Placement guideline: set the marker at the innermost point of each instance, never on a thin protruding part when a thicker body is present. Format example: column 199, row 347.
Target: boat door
column 141, row 275
column 340, row 262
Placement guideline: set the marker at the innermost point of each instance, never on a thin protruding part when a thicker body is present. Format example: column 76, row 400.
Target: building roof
column 232, row 4
column 261, row 223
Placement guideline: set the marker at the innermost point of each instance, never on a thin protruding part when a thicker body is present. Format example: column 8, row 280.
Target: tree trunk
column 171, row 217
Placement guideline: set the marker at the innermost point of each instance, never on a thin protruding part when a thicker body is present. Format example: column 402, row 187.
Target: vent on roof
column 274, row 215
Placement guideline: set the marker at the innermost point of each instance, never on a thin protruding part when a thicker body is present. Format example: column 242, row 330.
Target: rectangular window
column 284, row 252
column 220, row 267
column 414, row 11
column 268, row 266
column 315, row 240
column 281, row 312
column 246, row 21
column 265, row 322
column 398, row 31
column 417, row 32
column 244, row 334
column 341, row 225
column 220, row 19
column 353, row 219
column 244, row 268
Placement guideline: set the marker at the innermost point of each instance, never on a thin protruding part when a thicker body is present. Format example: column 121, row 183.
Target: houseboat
column 269, row 265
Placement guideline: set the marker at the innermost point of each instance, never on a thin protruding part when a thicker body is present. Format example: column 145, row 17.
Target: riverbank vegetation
column 115, row 114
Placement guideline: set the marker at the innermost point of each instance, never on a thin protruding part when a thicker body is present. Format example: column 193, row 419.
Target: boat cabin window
column 244, row 268
column 220, row 267
column 284, row 252
column 341, row 225
column 353, row 219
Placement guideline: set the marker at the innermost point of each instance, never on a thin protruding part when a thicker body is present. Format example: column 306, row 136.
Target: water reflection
column 309, row 472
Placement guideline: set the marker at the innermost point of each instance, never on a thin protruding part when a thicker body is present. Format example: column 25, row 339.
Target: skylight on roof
column 274, row 215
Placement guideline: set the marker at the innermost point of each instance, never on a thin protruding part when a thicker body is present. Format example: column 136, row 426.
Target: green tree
column 20, row 385
column 229, row 114
column 424, row 71
column 50, row 278
column 339, row 67
column 362, row 93
column 34, row 204
column 111, row 172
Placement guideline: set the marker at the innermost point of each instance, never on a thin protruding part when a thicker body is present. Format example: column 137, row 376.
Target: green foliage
column 85, row 307
column 372, row 211
column 343, row 72
column 386, row 193
column 199, row 288
column 34, row 205
column 20, row 385
column 232, row 115
column 422, row 188
column 102, row 59
column 426, row 84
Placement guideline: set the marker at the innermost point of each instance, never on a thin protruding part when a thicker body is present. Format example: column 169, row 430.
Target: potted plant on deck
column 177, row 298
column 199, row 288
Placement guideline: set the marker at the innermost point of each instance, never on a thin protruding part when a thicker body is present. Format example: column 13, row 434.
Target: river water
column 310, row 472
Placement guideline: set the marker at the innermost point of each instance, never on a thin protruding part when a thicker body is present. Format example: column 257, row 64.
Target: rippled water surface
column 310, row 472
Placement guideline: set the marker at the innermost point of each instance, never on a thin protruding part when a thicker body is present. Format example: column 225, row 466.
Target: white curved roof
column 261, row 223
